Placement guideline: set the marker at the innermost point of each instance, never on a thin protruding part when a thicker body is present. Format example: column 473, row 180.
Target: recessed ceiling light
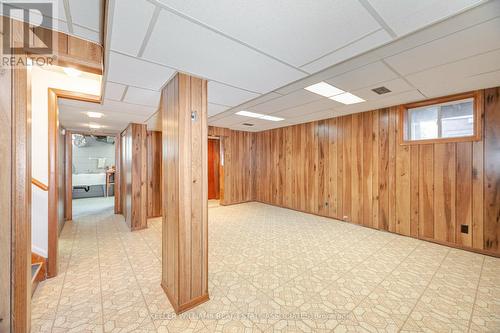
column 94, row 126
column 324, row 89
column 94, row 114
column 72, row 72
column 347, row 98
column 258, row 116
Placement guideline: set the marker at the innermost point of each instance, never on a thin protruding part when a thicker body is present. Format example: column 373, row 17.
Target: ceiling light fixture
column 94, row 114
column 73, row 72
column 258, row 116
column 94, row 126
column 347, row 98
column 324, row 89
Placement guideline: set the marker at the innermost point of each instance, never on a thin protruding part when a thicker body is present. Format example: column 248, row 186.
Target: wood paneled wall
column 154, row 174
column 237, row 165
column 353, row 168
column 5, row 195
column 134, row 176
column 185, row 224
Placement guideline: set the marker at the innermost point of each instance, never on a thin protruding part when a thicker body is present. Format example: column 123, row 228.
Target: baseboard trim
column 186, row 306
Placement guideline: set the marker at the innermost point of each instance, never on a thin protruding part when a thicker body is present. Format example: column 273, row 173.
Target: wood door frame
column 68, row 173
column 53, row 196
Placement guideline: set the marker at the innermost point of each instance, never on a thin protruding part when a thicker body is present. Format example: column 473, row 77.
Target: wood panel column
column 134, row 173
column 185, row 222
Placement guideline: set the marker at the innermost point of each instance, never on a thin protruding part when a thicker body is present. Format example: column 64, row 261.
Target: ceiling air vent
column 381, row 90
column 247, row 124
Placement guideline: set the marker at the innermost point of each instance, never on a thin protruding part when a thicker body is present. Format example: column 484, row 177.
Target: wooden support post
column 185, row 221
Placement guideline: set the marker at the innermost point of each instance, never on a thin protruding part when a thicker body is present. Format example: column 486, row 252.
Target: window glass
column 446, row 120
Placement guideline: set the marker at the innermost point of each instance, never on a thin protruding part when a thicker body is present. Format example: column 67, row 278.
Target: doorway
column 213, row 171
column 93, row 173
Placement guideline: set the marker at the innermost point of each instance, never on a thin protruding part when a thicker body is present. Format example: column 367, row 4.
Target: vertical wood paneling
column 426, row 191
column 354, row 168
column 444, row 192
column 375, row 173
column 357, row 169
column 464, row 192
column 134, row 165
column 403, row 197
column 414, row 190
column 392, row 169
column 478, row 195
column 383, row 170
column 367, row 169
column 492, row 170
column 154, row 169
column 184, row 245
column 347, row 157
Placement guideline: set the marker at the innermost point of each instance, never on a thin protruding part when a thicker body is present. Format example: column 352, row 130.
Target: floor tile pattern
column 270, row 270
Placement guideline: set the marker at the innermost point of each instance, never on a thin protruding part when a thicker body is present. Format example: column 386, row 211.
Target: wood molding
column 118, row 176
column 53, row 196
column 39, row 184
column 68, row 174
column 21, row 200
column 478, row 97
column 154, row 173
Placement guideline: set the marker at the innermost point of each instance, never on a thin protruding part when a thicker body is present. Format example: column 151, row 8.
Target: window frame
column 477, row 113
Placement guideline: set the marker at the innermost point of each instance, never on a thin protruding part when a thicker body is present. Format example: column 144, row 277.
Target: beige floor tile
column 270, row 270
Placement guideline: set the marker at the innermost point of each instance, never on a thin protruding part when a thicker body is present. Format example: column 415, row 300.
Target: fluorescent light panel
column 258, row 116
column 347, row 98
column 324, row 89
column 94, row 126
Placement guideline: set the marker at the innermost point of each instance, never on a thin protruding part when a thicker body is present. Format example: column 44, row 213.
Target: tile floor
column 271, row 270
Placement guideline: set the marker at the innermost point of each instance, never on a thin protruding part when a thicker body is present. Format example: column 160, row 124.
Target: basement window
column 447, row 119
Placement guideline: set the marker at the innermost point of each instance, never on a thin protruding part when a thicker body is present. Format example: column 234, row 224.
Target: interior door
column 213, row 169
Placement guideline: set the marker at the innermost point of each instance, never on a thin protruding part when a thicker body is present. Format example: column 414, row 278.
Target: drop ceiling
column 81, row 18
column 259, row 55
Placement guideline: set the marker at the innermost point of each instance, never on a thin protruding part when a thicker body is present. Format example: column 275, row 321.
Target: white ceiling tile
column 330, row 72
column 275, row 27
column 324, row 114
column 207, row 54
column 124, row 109
column 463, row 21
column 214, row 109
column 261, row 99
column 363, row 77
column 478, row 39
column 132, row 71
column 142, row 96
column 396, row 86
column 365, row 44
column 227, row 121
column 87, row 34
column 404, row 17
column 296, row 98
column 114, row 91
column 316, row 106
column 219, row 93
column 130, row 25
column 452, row 77
column 86, row 13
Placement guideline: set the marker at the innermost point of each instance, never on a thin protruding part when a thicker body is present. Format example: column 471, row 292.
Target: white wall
column 41, row 80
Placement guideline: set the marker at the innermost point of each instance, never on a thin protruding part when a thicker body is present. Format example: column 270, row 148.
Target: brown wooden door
column 213, row 169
